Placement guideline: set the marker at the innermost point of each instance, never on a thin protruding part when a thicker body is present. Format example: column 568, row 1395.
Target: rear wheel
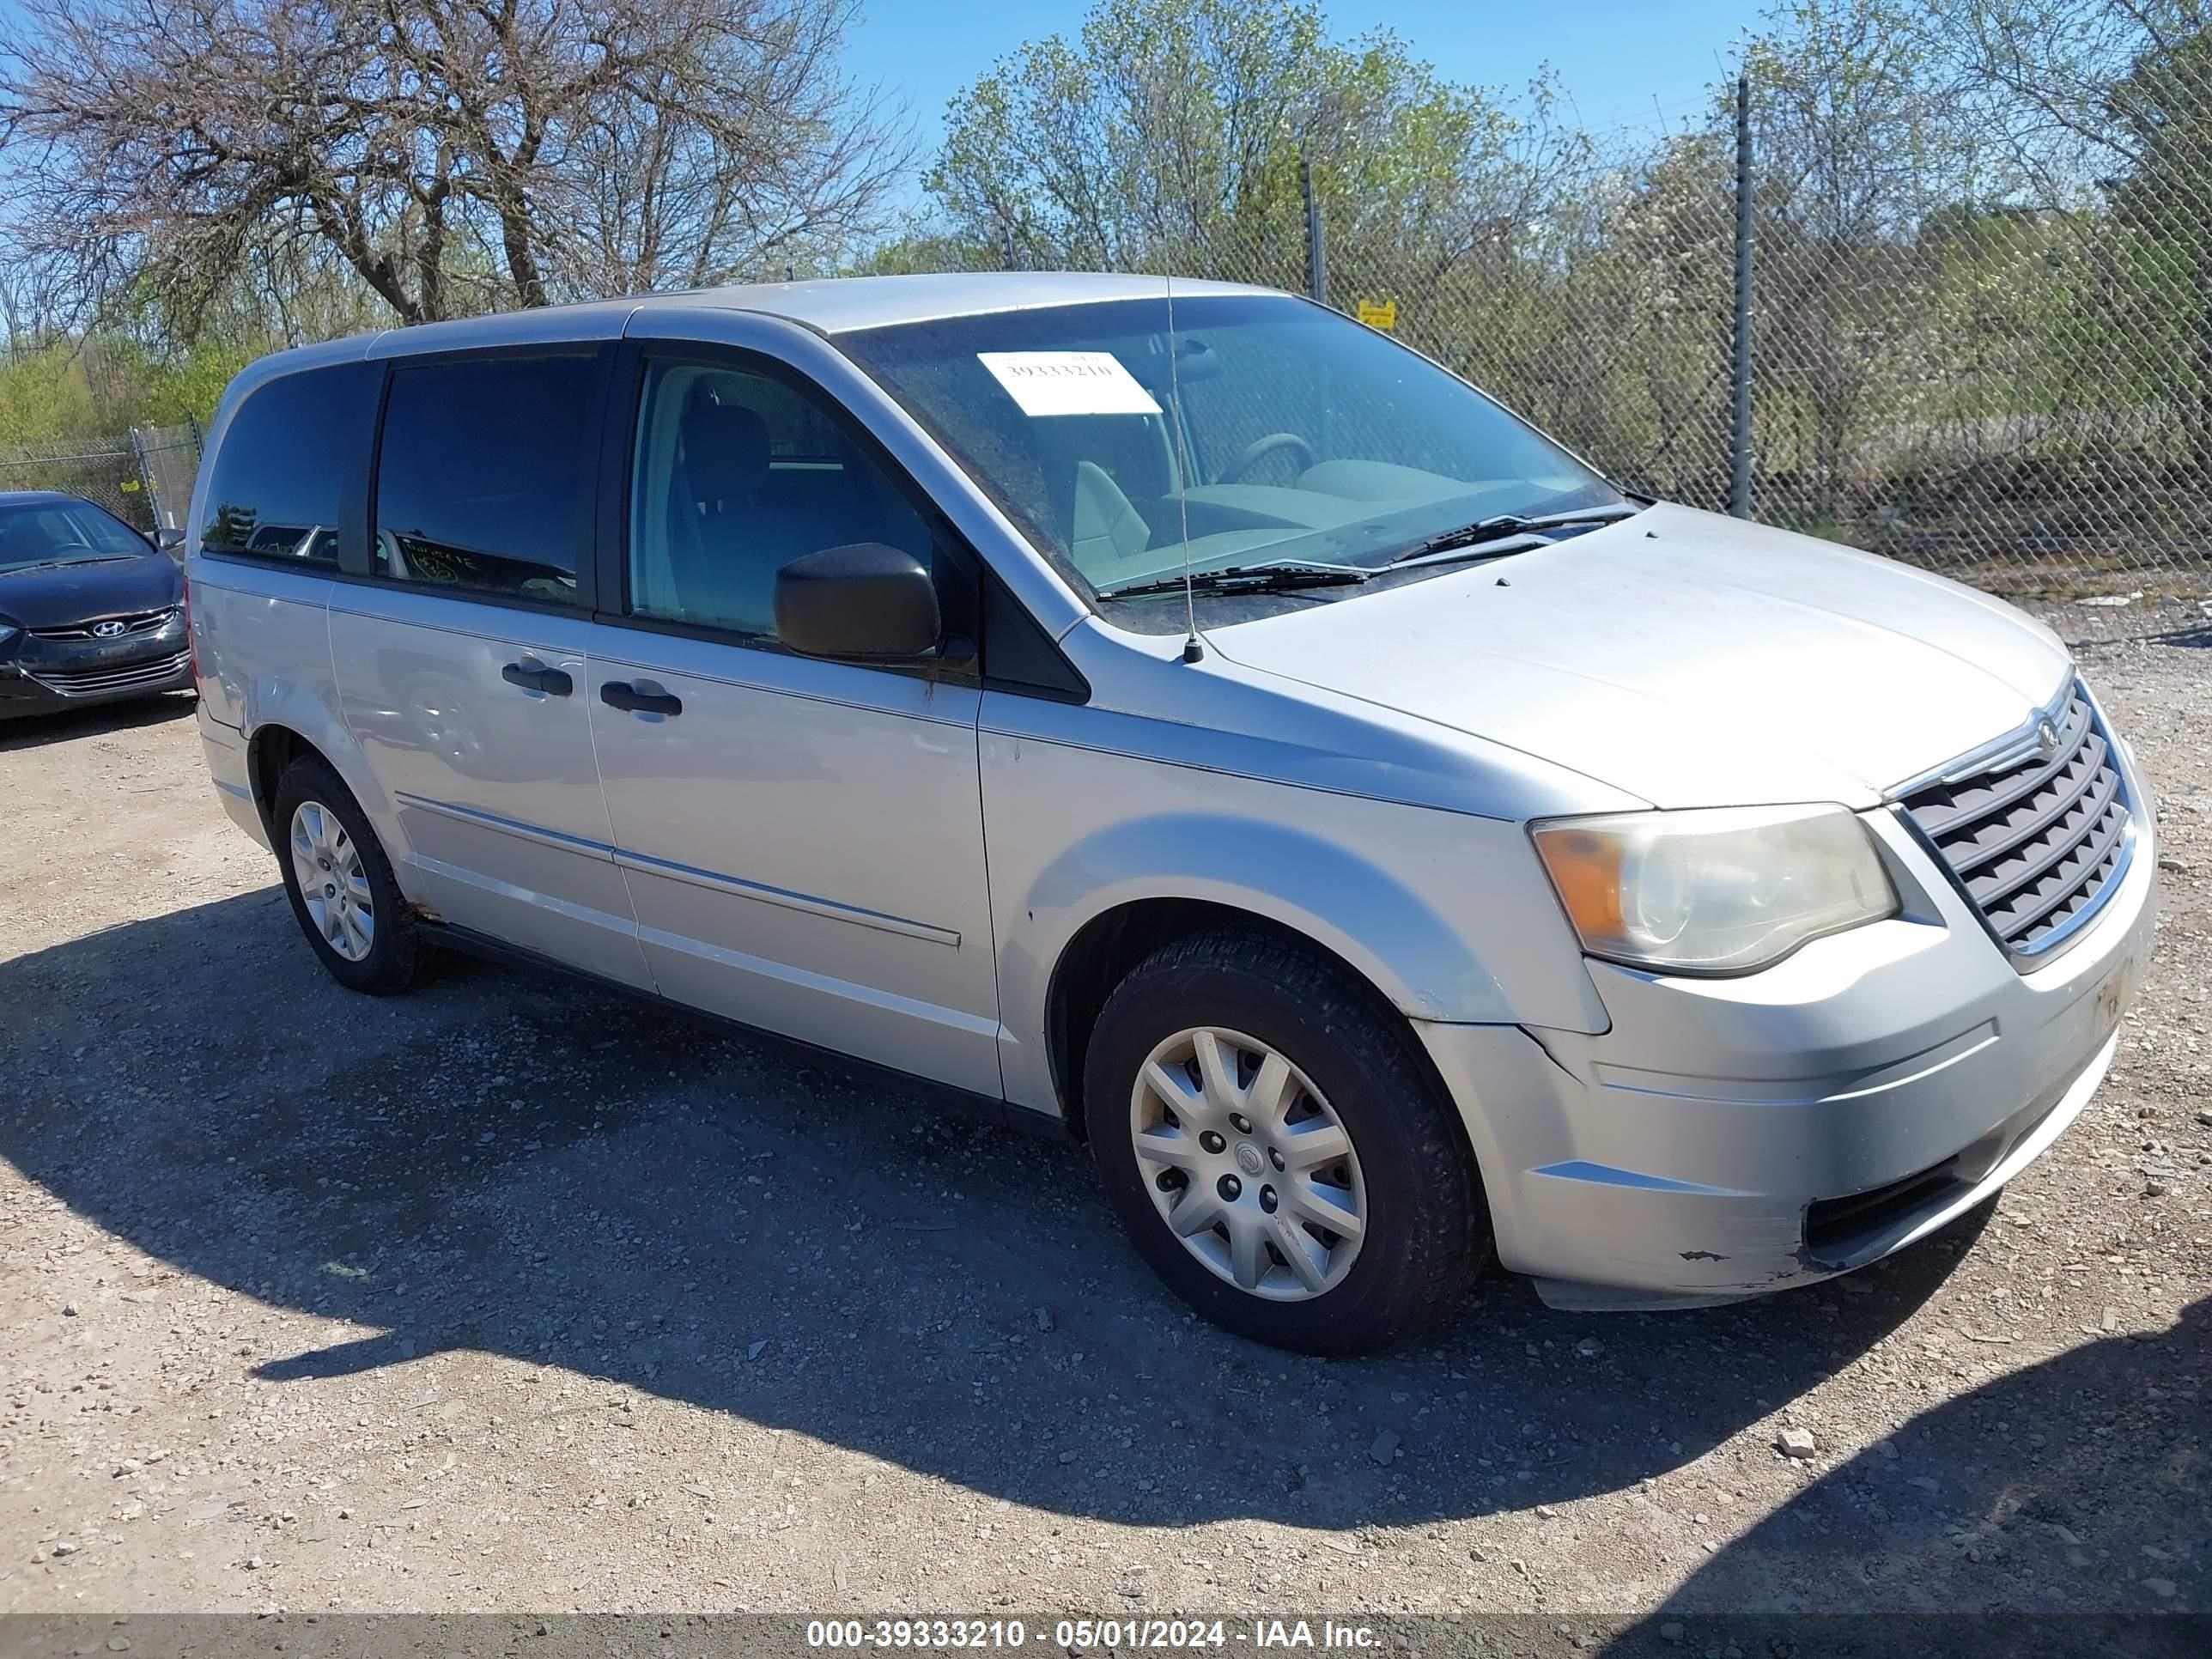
column 343, row 894
column 1278, row 1152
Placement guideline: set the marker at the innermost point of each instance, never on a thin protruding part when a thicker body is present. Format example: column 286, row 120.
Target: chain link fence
column 1993, row 361
column 101, row 470
column 143, row 476
column 168, row 461
column 1963, row 324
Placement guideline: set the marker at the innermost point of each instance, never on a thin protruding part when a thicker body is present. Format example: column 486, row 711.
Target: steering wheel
column 1258, row 449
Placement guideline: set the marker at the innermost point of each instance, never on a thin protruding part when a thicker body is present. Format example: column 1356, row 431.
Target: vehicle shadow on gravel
column 2077, row 1486
column 36, row 730
column 513, row 1163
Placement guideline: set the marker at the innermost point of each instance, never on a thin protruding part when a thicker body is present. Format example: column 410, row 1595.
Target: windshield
column 1305, row 437
column 62, row 531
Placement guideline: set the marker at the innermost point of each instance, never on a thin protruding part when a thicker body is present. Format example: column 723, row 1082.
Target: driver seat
column 1107, row 527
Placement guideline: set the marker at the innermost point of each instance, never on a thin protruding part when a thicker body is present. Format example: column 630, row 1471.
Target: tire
column 1343, row 1058
column 381, row 926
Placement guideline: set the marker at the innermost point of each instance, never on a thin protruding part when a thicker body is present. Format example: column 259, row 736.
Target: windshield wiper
column 1484, row 532
column 1245, row 579
column 65, row 564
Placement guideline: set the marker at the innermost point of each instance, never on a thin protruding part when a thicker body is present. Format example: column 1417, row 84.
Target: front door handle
column 621, row 694
column 552, row 681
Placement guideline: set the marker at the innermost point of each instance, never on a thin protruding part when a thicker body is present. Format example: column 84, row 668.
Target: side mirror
column 170, row 540
column 864, row 603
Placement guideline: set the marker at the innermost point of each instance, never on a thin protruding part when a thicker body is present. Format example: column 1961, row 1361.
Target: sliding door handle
column 621, row 694
column 552, row 681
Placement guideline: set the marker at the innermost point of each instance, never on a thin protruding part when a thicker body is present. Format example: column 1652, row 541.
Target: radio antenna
column 1191, row 650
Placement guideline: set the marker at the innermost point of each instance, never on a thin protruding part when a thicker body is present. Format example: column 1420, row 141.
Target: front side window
column 61, row 532
column 1304, row 436
column 484, row 474
column 736, row 474
column 281, row 473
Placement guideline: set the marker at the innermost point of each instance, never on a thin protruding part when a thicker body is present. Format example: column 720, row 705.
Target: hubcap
column 332, row 882
column 1248, row 1165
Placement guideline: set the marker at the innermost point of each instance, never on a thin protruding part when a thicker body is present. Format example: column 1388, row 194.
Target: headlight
column 1716, row 891
column 8, row 632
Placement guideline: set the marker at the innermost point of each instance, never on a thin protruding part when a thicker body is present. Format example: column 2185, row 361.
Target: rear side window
column 484, row 474
column 281, row 475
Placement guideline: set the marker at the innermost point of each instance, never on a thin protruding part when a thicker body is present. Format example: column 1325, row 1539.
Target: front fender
column 1446, row 914
column 1337, row 898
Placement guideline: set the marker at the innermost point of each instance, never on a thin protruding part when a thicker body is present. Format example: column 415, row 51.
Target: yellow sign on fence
column 1379, row 313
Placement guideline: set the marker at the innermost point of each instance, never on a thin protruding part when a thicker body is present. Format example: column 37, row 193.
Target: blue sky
column 1616, row 57
column 1624, row 62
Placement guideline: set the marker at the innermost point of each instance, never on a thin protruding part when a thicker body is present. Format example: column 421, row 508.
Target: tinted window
column 484, row 478
column 736, row 476
column 281, row 475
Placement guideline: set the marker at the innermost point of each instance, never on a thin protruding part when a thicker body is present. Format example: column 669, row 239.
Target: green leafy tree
column 2102, row 109
column 1172, row 134
column 45, row 394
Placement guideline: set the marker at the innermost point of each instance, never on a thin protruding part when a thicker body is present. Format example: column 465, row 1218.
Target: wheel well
column 1110, row 946
column 268, row 752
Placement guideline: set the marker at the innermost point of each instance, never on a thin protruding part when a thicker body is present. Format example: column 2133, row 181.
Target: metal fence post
column 1317, row 251
column 1740, row 368
column 145, row 476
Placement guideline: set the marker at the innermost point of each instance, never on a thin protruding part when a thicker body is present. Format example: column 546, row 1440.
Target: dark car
column 90, row 611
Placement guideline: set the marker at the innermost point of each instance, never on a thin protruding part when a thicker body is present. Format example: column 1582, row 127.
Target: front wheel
column 1279, row 1154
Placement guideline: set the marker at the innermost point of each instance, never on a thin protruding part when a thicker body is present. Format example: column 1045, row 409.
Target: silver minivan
column 1192, row 715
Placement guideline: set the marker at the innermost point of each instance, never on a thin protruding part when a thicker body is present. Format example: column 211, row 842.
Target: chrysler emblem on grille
column 2047, row 738
column 109, row 630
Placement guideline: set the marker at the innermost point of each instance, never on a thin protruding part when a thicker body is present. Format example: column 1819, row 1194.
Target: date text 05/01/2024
column 1079, row 1635
column 1267, row 1634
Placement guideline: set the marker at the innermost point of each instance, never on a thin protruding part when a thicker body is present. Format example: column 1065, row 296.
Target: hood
column 1689, row 658
column 77, row 594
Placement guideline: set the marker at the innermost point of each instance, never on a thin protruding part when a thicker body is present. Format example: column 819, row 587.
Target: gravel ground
column 509, row 1295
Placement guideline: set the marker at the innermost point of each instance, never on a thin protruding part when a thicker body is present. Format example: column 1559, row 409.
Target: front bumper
column 1730, row 1137
column 41, row 676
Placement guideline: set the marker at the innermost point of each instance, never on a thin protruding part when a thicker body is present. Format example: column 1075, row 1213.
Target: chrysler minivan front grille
column 2036, row 841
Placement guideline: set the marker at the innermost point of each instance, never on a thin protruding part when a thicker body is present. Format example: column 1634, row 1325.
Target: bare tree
column 452, row 155
column 2108, row 104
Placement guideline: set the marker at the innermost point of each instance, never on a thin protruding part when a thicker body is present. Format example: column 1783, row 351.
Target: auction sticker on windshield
column 1068, row 382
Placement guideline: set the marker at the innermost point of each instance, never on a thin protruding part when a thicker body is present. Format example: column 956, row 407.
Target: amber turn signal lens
column 1586, row 870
